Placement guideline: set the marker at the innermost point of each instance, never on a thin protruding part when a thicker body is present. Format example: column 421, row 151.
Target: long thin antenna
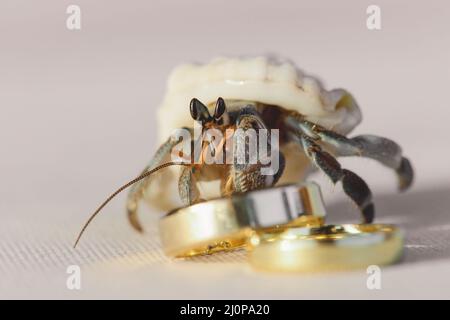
column 139, row 178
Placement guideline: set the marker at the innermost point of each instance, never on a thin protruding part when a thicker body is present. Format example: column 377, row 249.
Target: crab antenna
column 137, row 179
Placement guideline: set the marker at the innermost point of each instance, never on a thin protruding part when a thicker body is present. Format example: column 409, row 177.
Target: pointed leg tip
column 369, row 213
column 134, row 221
column 137, row 226
column 406, row 175
column 404, row 186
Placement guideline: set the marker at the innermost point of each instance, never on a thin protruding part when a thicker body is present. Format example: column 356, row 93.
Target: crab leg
column 353, row 185
column 137, row 190
column 383, row 150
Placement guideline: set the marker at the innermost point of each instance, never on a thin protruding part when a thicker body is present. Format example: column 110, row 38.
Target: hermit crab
column 258, row 94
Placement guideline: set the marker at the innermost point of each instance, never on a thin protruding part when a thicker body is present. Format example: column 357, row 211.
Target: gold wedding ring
column 227, row 223
column 325, row 248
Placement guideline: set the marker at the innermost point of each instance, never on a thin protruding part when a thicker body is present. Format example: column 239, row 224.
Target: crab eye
column 220, row 109
column 199, row 111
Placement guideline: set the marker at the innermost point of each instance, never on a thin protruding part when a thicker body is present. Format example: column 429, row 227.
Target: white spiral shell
column 254, row 79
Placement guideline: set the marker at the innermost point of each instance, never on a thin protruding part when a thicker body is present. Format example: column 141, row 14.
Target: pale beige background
column 77, row 119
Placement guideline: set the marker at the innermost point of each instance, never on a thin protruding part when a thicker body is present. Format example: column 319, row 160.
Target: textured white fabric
column 118, row 263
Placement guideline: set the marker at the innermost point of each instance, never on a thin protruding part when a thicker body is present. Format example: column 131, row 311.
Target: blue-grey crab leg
column 355, row 187
column 137, row 190
column 247, row 176
column 383, row 150
column 374, row 147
